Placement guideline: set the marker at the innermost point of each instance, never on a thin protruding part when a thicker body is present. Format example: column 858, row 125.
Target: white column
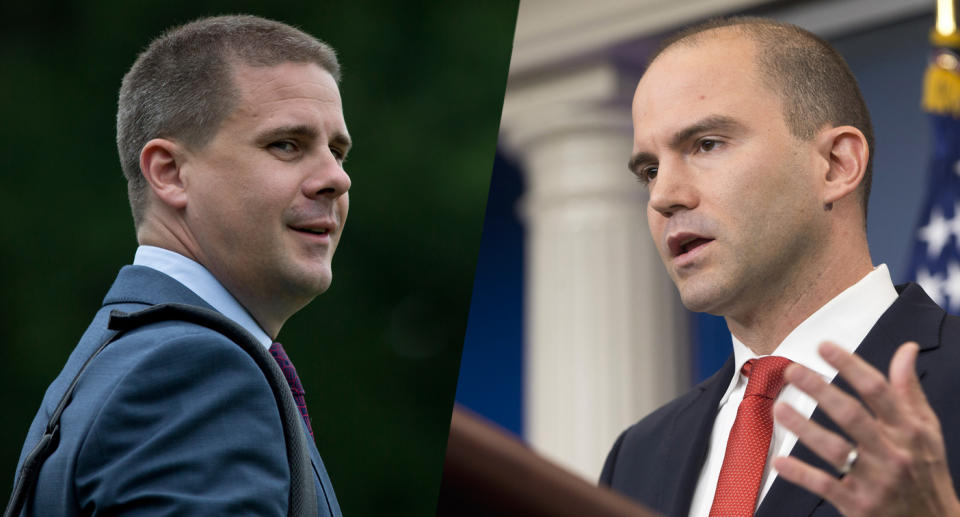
column 605, row 336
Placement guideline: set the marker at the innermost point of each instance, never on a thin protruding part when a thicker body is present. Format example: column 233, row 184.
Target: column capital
column 552, row 31
column 590, row 97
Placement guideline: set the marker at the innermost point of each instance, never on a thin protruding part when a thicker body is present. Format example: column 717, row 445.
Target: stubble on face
column 746, row 193
column 268, row 195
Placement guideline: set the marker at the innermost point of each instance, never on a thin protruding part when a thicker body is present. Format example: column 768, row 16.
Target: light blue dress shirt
column 199, row 280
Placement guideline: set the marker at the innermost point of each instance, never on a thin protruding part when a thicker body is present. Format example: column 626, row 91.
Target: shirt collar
column 199, row 280
column 844, row 320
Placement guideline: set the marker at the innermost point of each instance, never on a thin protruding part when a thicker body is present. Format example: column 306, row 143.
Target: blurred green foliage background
column 378, row 354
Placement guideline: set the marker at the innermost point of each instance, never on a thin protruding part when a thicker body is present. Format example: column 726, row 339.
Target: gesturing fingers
column 901, row 466
column 825, row 444
column 816, row 481
column 866, row 380
column 904, row 381
column 900, row 404
column 842, row 408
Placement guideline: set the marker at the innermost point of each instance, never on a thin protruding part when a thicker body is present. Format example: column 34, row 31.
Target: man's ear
column 847, row 152
column 160, row 163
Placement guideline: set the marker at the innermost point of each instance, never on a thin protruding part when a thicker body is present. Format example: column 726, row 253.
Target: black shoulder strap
column 303, row 495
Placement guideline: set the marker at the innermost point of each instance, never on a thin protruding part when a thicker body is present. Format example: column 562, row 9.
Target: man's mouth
column 695, row 243
column 683, row 243
column 317, row 231
column 317, row 228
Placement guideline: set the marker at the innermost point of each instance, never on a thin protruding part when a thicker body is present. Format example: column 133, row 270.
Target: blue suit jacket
column 170, row 419
column 657, row 461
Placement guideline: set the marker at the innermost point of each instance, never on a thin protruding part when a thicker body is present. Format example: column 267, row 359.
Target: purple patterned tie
column 276, row 350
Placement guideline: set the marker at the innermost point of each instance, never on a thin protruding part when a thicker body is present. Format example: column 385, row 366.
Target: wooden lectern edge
column 486, row 460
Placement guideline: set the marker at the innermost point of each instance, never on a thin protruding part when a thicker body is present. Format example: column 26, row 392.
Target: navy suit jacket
column 170, row 419
column 657, row 461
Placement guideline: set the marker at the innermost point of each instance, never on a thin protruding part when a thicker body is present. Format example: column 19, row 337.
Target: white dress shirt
column 844, row 320
column 199, row 280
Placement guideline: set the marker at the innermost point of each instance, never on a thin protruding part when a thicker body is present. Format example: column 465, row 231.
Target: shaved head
column 816, row 86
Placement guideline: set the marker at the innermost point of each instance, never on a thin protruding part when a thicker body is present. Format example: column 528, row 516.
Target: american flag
column 935, row 263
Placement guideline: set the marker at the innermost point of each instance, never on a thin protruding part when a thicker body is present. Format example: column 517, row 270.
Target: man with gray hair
column 232, row 139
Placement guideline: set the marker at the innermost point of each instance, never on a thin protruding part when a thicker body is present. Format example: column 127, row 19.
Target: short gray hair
column 182, row 87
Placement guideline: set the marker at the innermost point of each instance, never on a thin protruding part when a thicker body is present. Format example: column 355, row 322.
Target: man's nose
column 327, row 178
column 674, row 189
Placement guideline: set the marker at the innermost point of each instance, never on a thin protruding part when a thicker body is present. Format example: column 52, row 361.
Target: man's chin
column 310, row 282
column 702, row 297
column 321, row 283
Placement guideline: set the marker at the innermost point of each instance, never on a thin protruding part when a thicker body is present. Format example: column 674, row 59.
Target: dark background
column 378, row 353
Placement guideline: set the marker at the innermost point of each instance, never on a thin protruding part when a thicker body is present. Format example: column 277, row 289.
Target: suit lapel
column 912, row 317
column 144, row 285
column 697, row 419
column 326, row 498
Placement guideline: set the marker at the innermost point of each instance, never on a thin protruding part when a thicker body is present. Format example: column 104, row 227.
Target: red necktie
column 749, row 441
column 276, row 350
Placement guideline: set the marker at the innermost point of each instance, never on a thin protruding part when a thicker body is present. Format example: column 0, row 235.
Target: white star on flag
column 935, row 233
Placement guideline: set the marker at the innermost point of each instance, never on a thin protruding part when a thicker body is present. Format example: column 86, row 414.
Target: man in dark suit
column 232, row 138
column 755, row 145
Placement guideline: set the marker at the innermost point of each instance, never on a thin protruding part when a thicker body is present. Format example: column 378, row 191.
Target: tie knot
column 766, row 376
column 278, row 353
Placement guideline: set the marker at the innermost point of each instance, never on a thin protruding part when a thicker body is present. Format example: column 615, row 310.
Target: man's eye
column 338, row 154
column 285, row 146
column 647, row 174
column 707, row 145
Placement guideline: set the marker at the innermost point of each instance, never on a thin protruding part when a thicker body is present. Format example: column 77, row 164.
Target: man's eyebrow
column 639, row 159
column 342, row 140
column 287, row 131
column 304, row 131
column 705, row 125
